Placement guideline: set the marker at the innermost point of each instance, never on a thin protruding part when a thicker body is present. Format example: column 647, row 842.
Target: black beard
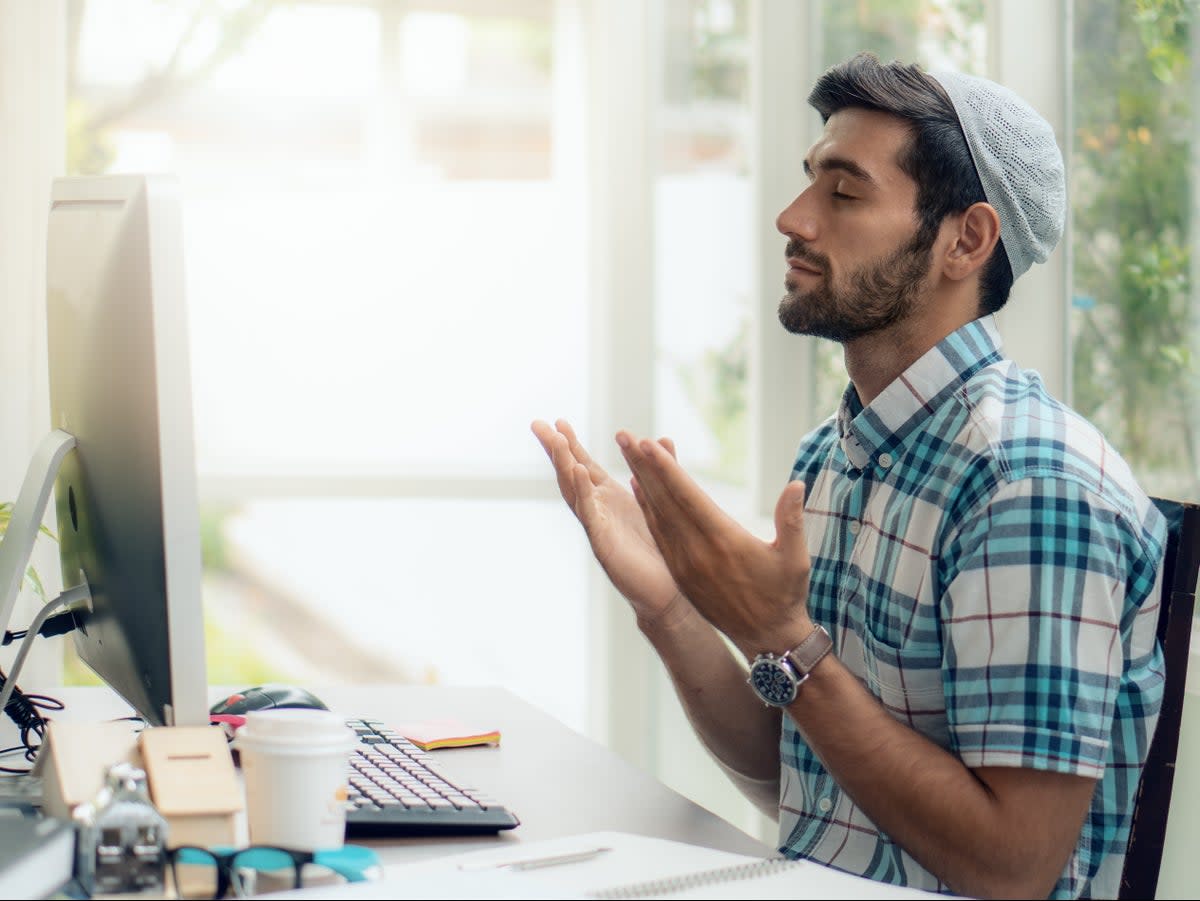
column 879, row 295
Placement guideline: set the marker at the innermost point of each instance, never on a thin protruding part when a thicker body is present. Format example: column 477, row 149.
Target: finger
column 650, row 515
column 668, row 488
column 669, row 444
column 585, row 496
column 678, row 533
column 579, row 452
column 544, row 434
column 789, row 521
column 647, row 486
column 557, row 448
column 630, row 448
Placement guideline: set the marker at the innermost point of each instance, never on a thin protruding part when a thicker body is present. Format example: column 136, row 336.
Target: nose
column 798, row 219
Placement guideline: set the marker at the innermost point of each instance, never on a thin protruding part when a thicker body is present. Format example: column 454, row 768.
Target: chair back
column 1143, row 856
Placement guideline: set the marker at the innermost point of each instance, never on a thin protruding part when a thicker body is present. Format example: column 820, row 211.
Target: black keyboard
column 395, row 789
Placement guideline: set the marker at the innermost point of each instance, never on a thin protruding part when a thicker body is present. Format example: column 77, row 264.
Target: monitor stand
column 16, row 549
column 27, row 514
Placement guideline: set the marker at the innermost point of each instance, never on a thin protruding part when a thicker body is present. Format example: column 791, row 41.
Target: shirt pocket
column 908, row 682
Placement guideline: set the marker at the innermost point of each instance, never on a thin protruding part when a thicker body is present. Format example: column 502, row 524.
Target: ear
column 973, row 237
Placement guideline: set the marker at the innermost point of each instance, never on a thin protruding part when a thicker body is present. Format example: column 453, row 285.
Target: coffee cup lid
column 299, row 727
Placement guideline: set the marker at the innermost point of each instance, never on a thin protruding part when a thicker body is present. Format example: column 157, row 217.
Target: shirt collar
column 875, row 432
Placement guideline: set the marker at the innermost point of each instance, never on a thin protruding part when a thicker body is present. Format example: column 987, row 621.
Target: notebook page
column 621, row 870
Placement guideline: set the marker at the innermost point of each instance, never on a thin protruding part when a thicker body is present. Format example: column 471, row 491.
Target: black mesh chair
column 1143, row 856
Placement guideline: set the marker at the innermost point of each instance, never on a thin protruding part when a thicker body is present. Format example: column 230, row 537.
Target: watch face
column 772, row 682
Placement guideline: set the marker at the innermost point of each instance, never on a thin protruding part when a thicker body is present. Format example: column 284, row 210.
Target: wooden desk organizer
column 74, row 757
column 189, row 770
column 193, row 783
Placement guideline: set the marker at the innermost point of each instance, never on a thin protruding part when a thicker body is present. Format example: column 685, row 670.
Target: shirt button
column 824, row 805
column 854, row 527
column 885, row 460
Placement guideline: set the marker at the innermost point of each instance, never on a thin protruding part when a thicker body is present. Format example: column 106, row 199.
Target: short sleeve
column 1043, row 613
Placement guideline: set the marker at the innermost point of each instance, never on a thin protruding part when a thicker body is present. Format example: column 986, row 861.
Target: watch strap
column 804, row 656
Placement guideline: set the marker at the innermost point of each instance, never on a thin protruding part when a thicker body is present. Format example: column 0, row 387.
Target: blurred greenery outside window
column 1133, row 307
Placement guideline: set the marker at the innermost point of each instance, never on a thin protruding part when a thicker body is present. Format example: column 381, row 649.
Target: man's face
column 857, row 263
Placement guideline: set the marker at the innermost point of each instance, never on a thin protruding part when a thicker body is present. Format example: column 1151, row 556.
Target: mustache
column 798, row 250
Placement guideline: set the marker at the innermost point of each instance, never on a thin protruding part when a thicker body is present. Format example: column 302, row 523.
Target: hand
column 613, row 522
column 754, row 592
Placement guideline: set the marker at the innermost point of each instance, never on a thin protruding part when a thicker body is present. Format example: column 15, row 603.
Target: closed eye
column 838, row 195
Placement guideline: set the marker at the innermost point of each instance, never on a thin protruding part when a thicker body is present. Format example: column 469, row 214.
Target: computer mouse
column 266, row 697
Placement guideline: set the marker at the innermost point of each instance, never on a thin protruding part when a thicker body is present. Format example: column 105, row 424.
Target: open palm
column 612, row 519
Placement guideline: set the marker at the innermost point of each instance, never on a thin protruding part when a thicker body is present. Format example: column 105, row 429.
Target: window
column 1134, row 305
column 385, row 252
column 703, row 236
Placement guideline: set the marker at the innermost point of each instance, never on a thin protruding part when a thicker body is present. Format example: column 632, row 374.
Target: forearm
column 944, row 814
column 739, row 732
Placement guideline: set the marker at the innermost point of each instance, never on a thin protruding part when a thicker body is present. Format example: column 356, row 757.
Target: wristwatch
column 777, row 679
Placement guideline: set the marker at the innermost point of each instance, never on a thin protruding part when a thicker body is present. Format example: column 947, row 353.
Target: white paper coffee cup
column 294, row 762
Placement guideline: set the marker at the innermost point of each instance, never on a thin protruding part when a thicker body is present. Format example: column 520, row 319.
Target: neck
column 876, row 360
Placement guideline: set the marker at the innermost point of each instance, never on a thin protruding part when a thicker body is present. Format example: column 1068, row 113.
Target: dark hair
column 937, row 158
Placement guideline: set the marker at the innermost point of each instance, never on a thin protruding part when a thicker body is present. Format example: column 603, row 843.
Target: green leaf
column 33, row 580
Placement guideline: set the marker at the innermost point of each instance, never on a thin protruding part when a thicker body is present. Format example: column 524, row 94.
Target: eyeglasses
column 214, row 872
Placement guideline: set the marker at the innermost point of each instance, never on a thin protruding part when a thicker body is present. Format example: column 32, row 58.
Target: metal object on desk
column 21, row 788
column 122, row 836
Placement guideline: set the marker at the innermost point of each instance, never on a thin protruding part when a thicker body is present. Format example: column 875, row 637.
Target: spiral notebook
column 717, row 874
column 753, row 879
column 613, row 865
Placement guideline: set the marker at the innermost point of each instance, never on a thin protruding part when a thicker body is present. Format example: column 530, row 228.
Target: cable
column 24, row 710
column 78, row 593
column 59, row 624
column 21, row 708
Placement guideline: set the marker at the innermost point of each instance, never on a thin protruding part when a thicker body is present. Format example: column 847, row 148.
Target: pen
column 533, row 863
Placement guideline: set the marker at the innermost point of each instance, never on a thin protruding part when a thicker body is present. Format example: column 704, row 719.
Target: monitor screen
column 120, row 383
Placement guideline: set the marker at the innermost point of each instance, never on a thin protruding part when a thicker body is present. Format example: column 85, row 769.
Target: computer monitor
column 120, row 383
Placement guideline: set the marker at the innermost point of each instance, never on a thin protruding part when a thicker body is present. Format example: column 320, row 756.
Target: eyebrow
column 841, row 163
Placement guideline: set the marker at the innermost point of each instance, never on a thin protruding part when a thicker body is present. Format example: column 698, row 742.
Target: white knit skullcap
column 1018, row 162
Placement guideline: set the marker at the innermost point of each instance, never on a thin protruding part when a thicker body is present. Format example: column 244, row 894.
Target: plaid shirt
column 988, row 568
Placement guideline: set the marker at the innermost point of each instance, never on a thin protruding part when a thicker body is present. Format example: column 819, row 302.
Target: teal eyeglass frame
column 351, row 862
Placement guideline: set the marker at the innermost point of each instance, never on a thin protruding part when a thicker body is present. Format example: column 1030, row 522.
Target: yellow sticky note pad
column 428, row 735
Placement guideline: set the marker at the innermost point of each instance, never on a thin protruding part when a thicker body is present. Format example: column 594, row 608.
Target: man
column 964, row 574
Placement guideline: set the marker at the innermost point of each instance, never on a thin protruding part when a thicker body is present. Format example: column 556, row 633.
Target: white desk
column 555, row 780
